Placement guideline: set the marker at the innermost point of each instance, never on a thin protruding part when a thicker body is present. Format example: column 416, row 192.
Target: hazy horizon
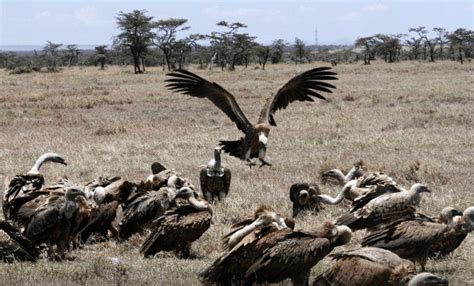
column 90, row 23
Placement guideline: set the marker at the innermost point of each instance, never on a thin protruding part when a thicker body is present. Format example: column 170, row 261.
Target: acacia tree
column 165, row 38
column 101, row 55
column 388, row 46
column 299, row 50
column 462, row 40
column 72, row 54
column 427, row 42
column 51, row 52
column 441, row 40
column 136, row 35
column 263, row 53
column 369, row 44
column 277, row 50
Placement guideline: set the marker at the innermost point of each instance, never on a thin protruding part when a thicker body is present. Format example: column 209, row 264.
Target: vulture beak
column 59, row 160
column 263, row 139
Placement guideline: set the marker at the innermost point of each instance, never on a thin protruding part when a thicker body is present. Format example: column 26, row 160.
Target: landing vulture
column 303, row 87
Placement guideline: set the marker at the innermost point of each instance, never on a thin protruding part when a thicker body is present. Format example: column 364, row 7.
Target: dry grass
column 412, row 120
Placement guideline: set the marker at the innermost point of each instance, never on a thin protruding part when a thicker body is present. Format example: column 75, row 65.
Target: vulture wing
column 301, row 88
column 191, row 84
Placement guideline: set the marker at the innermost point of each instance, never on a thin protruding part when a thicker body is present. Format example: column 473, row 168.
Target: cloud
column 43, row 14
column 86, row 15
column 216, row 12
column 351, row 16
column 375, row 8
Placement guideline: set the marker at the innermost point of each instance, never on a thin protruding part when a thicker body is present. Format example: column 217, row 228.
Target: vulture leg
column 221, row 195
column 264, row 163
column 250, row 163
column 209, row 197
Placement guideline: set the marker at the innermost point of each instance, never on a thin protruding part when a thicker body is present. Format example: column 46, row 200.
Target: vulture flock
column 51, row 221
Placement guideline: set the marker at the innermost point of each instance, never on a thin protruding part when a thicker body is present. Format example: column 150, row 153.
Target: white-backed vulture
column 14, row 246
column 215, row 178
column 412, row 239
column 292, row 254
column 304, row 196
column 304, row 87
column 371, row 266
column 177, row 228
column 55, row 220
column 21, row 187
column 242, row 247
column 145, row 204
column 384, row 209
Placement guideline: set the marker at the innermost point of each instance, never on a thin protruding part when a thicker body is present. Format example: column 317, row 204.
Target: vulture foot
column 264, row 163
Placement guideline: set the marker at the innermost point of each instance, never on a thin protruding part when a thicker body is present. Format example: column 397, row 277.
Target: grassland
column 412, row 120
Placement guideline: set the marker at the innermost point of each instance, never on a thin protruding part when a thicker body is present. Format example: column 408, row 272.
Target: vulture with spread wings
column 303, row 87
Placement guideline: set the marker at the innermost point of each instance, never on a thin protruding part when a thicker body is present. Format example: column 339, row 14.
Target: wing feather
column 191, row 84
column 299, row 88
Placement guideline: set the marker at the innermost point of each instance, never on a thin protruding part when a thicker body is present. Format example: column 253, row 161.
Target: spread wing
column 302, row 88
column 191, row 84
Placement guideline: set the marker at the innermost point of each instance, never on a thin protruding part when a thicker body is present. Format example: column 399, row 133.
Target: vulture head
column 189, row 195
column 336, row 174
column 73, row 192
column 47, row 157
column 420, row 188
column 343, row 234
column 427, row 279
column 468, row 219
column 448, row 213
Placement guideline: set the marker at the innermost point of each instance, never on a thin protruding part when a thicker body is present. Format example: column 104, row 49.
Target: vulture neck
column 351, row 175
column 70, row 207
column 198, row 205
column 41, row 160
column 340, row 196
column 171, row 184
column 341, row 179
column 240, row 234
column 214, row 168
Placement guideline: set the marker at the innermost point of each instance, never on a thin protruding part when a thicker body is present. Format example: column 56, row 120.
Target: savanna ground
column 412, row 120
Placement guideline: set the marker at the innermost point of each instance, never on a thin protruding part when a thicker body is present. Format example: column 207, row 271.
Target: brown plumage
column 21, row 187
column 304, row 196
column 100, row 221
column 294, row 253
column 371, row 266
column 303, row 87
column 215, row 178
column 14, row 246
column 384, row 209
column 243, row 246
column 412, row 239
column 177, row 228
column 55, row 221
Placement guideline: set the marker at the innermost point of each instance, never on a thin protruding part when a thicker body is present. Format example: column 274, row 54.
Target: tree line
column 144, row 41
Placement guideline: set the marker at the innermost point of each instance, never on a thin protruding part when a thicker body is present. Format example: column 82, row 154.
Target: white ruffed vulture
column 55, row 222
column 304, row 196
column 14, row 246
column 413, row 239
column 177, row 228
column 384, row 209
column 371, row 266
column 22, row 187
column 215, row 178
column 303, row 87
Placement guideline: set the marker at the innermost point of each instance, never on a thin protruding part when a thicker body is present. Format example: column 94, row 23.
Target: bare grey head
column 73, row 192
column 214, row 167
column 336, row 174
column 427, row 279
column 47, row 157
column 420, row 188
column 468, row 219
column 448, row 213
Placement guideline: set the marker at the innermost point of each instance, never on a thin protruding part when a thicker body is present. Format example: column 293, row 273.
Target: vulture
column 14, row 246
column 363, row 186
column 22, row 187
column 304, row 196
column 144, row 205
column 292, row 254
column 384, row 209
column 413, row 239
column 178, row 227
column 304, row 87
column 56, row 221
column 371, row 266
column 243, row 245
column 215, row 178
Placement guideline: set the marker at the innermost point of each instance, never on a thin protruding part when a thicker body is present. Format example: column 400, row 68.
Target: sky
column 336, row 22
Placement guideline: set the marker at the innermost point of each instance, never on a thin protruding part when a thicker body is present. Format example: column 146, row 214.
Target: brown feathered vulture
column 215, row 178
column 304, row 87
column 55, row 221
column 243, row 246
column 14, row 246
column 304, row 196
column 22, row 187
column 177, row 228
column 413, row 239
column 371, row 266
column 384, row 209
column 292, row 254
